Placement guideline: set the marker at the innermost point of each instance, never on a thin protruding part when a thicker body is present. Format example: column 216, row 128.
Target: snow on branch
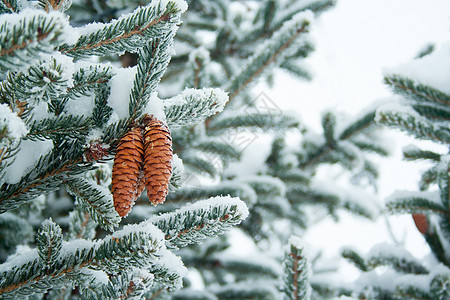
column 90, row 263
column 26, row 35
column 129, row 32
column 270, row 53
column 196, row 222
column 296, row 275
column 193, row 106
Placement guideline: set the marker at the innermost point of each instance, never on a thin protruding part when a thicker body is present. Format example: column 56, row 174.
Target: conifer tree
column 64, row 115
column 231, row 45
column 422, row 110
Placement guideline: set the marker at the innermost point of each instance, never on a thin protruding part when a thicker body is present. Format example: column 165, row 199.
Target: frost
column 26, row 159
column 121, row 85
column 14, row 125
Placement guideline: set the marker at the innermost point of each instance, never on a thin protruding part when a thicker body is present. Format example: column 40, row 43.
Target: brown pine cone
column 157, row 160
column 127, row 171
column 421, row 223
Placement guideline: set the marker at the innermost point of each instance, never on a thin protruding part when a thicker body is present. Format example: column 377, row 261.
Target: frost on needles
column 60, row 125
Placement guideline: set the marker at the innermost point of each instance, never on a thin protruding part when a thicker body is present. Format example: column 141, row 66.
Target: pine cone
column 421, row 223
column 157, row 160
column 127, row 171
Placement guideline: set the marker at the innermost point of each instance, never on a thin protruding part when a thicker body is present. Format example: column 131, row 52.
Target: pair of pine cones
column 143, row 159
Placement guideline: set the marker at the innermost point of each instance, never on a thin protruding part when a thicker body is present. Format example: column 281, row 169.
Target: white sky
column 355, row 41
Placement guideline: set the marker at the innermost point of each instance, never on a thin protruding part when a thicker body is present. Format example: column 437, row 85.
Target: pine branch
column 8, row 6
column 193, row 106
column 218, row 147
column 50, row 170
column 127, row 33
column 352, row 130
column 136, row 246
column 412, row 153
column 296, row 70
column 101, row 112
column 410, row 121
column 268, row 55
column 75, row 127
column 415, row 204
column 252, row 121
column 153, row 60
column 399, row 261
column 199, row 164
column 49, row 243
column 45, row 81
column 88, row 79
column 295, row 284
column 198, row 75
column 96, row 200
column 203, row 219
column 29, row 36
column 416, row 91
column 81, row 225
column 433, row 111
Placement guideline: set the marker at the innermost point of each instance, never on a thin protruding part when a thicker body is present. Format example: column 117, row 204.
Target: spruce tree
column 64, row 114
column 421, row 109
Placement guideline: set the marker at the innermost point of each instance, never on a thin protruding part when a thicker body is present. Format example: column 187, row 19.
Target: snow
column 432, row 196
column 207, row 205
column 432, row 69
column 119, row 98
column 74, row 246
column 67, row 67
column 26, row 159
column 95, row 27
column 60, row 21
column 40, row 111
column 390, row 280
column 173, row 264
column 81, row 106
column 146, row 227
column 155, row 107
column 98, row 275
column 23, row 255
column 15, row 126
column 296, row 241
column 177, row 163
column 199, row 95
